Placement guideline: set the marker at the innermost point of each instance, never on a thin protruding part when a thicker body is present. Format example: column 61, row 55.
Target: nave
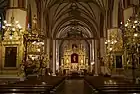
column 73, row 86
column 69, row 85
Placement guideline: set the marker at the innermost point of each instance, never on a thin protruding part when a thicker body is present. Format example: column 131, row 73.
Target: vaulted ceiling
column 63, row 16
column 3, row 4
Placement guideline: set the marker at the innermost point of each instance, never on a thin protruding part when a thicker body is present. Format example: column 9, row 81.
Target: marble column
column 54, row 56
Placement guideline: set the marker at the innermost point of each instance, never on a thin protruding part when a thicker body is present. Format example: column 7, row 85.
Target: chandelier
column 110, row 44
column 12, row 28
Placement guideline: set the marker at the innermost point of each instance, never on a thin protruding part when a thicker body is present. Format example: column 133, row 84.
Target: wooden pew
column 33, row 85
column 119, row 86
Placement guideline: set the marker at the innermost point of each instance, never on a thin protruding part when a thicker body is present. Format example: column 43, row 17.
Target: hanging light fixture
column 11, row 27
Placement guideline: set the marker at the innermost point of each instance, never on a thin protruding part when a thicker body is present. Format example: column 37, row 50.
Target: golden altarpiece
column 114, row 49
column 74, row 58
column 19, row 46
column 12, row 47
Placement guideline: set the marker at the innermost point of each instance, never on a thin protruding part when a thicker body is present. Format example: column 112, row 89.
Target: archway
column 75, row 17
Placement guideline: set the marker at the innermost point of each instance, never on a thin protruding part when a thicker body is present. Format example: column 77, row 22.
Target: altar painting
column 74, row 58
column 10, row 56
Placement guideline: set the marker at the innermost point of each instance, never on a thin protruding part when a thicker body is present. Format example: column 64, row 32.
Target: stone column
column 102, row 47
column 47, row 50
column 92, row 54
column 17, row 13
column 96, row 57
column 54, row 56
column 57, row 55
column 93, row 50
column 115, row 13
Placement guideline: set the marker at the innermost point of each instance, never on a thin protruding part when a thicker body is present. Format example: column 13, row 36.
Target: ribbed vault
column 60, row 16
column 3, row 4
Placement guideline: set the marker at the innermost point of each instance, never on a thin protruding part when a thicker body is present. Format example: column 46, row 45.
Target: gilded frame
column 3, row 56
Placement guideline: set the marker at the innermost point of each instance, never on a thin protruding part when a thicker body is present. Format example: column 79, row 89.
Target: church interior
column 93, row 40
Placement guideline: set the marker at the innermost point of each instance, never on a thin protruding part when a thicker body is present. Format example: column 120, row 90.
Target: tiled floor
column 73, row 87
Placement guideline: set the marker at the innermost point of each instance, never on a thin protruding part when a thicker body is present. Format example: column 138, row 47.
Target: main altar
column 74, row 59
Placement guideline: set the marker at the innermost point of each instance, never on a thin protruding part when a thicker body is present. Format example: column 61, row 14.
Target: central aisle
column 73, row 87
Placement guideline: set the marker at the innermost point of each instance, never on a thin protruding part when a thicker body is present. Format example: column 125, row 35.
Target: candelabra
column 109, row 49
column 12, row 29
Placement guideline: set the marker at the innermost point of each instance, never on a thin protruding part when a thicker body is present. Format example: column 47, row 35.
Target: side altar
column 12, row 47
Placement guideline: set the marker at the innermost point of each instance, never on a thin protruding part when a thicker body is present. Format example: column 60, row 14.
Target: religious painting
column 10, row 56
column 74, row 58
column 119, row 61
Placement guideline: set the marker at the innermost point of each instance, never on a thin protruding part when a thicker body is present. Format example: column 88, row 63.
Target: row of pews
column 108, row 85
column 34, row 85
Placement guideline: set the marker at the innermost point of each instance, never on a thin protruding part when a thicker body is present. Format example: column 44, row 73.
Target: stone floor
column 73, row 86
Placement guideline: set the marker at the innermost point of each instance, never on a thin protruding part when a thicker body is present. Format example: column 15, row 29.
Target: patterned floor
column 73, row 87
